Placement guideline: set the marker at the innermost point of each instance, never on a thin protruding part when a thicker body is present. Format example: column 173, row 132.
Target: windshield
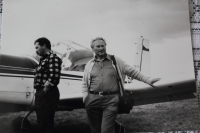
column 74, row 59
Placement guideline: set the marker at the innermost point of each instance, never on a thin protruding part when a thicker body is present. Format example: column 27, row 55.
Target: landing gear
column 119, row 128
column 25, row 124
column 21, row 123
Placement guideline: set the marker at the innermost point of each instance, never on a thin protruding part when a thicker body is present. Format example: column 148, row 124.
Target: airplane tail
column 142, row 57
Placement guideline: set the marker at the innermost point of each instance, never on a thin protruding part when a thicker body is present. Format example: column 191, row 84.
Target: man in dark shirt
column 46, row 79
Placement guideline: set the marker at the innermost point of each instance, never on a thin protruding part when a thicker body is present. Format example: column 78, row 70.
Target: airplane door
column 70, row 85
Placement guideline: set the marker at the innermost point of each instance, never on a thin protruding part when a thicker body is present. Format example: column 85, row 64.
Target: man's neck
column 45, row 54
column 46, row 51
column 101, row 57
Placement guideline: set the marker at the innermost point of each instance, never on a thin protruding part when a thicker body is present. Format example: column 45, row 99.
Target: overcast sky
column 164, row 22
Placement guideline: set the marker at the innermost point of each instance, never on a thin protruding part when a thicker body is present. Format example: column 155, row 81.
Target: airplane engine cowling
column 16, row 80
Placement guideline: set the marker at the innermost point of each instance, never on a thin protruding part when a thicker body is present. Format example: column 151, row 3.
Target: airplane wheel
column 119, row 128
column 18, row 125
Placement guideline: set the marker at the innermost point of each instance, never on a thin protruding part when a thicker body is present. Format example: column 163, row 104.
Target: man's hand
column 85, row 94
column 153, row 81
column 46, row 89
column 47, row 86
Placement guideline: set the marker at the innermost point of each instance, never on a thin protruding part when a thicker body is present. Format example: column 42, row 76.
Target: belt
column 38, row 87
column 104, row 93
column 41, row 87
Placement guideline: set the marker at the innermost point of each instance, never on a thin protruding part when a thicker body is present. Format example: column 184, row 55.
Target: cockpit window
column 67, row 65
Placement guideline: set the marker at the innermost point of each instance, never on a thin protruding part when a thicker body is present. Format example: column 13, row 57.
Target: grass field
column 171, row 116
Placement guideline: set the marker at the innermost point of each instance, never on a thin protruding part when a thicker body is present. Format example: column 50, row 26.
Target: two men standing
column 46, row 79
column 101, row 87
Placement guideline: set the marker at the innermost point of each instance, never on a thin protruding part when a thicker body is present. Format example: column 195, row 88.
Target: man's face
column 99, row 48
column 40, row 50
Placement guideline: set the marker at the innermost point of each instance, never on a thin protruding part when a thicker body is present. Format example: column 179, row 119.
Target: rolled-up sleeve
column 135, row 74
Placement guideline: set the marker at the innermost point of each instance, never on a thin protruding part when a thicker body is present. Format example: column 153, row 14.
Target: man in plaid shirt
column 46, row 79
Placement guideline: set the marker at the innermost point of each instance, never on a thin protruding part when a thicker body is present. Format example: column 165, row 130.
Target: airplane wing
column 166, row 90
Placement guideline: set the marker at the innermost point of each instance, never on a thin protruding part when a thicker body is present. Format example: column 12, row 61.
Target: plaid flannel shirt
column 48, row 71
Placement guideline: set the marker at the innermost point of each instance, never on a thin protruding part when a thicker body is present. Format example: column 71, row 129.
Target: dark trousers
column 46, row 105
column 102, row 112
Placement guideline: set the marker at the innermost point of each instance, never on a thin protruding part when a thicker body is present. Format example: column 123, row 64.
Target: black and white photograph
column 97, row 66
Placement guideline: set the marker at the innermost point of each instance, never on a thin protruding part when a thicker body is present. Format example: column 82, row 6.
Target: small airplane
column 17, row 74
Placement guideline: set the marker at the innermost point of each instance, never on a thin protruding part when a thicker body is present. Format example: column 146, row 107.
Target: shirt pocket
column 110, row 71
column 96, row 71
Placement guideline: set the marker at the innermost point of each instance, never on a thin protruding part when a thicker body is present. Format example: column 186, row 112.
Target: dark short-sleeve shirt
column 103, row 76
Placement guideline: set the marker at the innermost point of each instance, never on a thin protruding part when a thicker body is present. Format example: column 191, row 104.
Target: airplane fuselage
column 17, row 91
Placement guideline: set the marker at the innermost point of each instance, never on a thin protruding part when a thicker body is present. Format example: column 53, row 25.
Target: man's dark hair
column 43, row 41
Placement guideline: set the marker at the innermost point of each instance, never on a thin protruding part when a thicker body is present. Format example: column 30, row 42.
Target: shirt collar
column 106, row 57
column 47, row 54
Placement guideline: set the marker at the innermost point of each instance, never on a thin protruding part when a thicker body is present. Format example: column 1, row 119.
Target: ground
column 171, row 116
